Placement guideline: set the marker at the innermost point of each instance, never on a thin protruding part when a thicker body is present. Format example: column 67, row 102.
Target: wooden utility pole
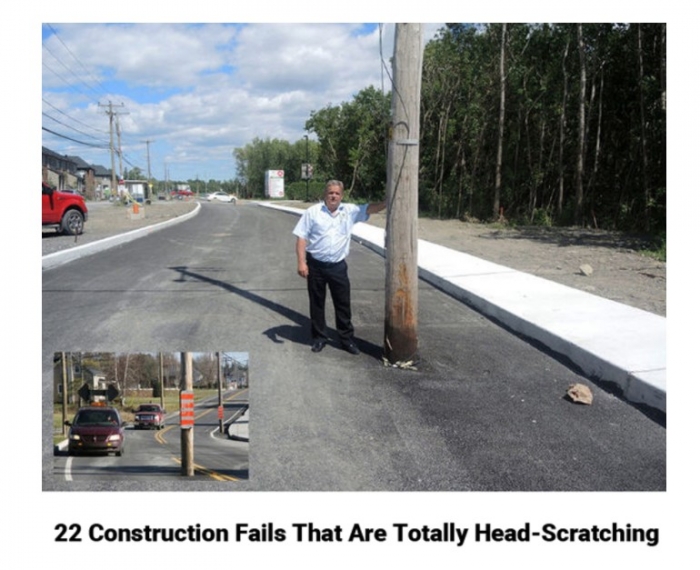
column 64, row 389
column 112, row 113
column 122, row 174
column 401, row 309
column 186, row 434
column 161, row 380
column 148, row 162
column 220, row 381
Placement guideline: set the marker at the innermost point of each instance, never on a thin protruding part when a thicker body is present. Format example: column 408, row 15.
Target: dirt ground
column 618, row 269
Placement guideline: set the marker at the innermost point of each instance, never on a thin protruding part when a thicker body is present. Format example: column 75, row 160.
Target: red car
column 149, row 416
column 65, row 210
column 96, row 429
column 181, row 194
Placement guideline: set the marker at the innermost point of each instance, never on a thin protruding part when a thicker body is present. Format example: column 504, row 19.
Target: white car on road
column 221, row 197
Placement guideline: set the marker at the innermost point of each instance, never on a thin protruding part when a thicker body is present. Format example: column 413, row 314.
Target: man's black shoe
column 351, row 347
column 318, row 345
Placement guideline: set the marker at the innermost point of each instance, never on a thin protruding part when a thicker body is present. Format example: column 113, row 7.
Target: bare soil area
column 106, row 219
column 618, row 269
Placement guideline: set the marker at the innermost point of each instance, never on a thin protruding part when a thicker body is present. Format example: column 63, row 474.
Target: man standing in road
column 323, row 242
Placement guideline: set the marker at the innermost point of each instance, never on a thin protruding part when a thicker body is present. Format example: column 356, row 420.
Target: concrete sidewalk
column 607, row 340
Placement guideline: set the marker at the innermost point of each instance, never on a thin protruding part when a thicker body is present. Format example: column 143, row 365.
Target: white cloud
column 199, row 91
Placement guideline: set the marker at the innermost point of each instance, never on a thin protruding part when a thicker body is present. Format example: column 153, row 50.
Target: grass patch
column 657, row 249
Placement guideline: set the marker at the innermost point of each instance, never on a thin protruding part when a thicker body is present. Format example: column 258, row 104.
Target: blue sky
column 196, row 92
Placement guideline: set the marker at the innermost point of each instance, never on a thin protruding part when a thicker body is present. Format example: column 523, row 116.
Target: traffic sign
column 112, row 392
column 307, row 171
column 84, row 392
column 186, row 409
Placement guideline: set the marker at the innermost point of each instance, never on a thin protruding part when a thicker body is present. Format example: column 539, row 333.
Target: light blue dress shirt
column 328, row 235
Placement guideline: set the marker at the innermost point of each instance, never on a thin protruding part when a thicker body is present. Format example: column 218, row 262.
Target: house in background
column 77, row 375
column 86, row 177
column 103, row 181
column 72, row 172
column 58, row 170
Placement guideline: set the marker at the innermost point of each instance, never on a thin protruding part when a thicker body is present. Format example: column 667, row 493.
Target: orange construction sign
column 186, row 409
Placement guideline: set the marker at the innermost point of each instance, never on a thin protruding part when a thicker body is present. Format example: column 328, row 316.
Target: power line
column 74, row 140
column 68, row 84
column 78, row 61
column 76, row 82
column 103, row 132
column 70, row 71
column 69, row 127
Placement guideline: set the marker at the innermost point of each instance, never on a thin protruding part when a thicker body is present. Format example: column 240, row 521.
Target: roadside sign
column 186, row 409
column 87, row 393
column 112, row 392
column 221, row 412
column 84, row 392
column 307, row 171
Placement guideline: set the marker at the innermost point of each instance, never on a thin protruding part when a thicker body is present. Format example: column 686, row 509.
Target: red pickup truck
column 149, row 416
column 64, row 210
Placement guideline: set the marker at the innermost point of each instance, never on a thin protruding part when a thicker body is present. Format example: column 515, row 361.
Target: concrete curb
column 607, row 340
column 60, row 446
column 60, row 257
column 238, row 429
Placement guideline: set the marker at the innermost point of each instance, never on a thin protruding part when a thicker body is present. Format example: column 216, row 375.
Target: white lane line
column 66, row 471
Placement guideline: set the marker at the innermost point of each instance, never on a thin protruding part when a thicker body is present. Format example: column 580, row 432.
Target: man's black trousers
column 335, row 277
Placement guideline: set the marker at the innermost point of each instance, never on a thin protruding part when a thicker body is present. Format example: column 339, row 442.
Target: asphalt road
column 156, row 454
column 485, row 411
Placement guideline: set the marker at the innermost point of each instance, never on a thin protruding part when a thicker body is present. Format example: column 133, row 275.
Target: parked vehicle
column 180, row 194
column 149, row 416
column 96, row 429
column 221, row 197
column 65, row 210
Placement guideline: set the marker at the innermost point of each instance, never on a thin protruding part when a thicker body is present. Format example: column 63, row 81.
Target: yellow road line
column 209, row 472
column 159, row 434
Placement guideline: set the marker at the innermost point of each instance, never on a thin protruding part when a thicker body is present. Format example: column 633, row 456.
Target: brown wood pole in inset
column 186, row 434
column 220, row 381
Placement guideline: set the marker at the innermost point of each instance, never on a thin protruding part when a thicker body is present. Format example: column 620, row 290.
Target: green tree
column 352, row 142
column 584, row 123
column 259, row 156
column 134, row 173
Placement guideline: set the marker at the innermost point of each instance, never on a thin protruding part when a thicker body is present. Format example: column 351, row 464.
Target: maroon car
column 149, row 416
column 96, row 429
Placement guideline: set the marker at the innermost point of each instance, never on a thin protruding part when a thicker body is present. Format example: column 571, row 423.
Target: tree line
column 554, row 124
column 142, row 370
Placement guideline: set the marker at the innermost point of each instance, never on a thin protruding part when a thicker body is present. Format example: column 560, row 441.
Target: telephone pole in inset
column 186, row 415
column 220, row 382
column 401, row 309
column 64, row 390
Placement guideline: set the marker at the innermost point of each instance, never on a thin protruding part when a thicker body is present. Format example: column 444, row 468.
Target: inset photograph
column 139, row 416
